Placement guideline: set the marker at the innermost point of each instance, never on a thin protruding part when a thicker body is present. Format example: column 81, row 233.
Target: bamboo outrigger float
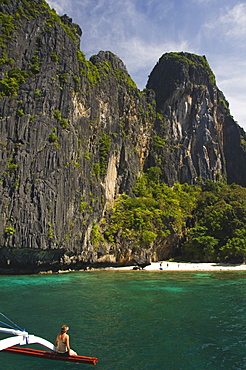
column 22, row 337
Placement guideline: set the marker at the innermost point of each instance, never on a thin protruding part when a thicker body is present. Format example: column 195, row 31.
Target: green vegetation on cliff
column 193, row 60
column 211, row 218
column 12, row 81
column 219, row 224
column 10, row 26
column 154, row 213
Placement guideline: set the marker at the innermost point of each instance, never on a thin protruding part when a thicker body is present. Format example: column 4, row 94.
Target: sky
column 140, row 31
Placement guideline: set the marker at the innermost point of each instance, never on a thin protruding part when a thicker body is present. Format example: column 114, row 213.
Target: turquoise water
column 132, row 320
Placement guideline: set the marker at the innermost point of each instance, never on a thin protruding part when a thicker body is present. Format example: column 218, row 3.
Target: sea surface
column 132, row 320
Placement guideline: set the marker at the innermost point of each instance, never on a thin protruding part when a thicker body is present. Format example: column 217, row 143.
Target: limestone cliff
column 75, row 134
column 198, row 134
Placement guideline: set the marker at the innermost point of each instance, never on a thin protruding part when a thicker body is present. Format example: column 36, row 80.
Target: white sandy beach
column 188, row 266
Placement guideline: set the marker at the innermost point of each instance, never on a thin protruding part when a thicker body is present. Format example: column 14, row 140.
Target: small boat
column 21, row 337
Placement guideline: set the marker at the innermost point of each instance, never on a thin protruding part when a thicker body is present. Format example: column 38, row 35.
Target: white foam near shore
column 188, row 266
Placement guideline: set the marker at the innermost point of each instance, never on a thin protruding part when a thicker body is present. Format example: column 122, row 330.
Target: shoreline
column 184, row 266
column 162, row 266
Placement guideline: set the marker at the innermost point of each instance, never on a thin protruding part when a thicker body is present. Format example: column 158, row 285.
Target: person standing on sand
column 62, row 343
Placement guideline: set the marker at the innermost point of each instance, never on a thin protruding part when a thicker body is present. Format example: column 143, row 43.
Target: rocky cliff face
column 194, row 122
column 75, row 134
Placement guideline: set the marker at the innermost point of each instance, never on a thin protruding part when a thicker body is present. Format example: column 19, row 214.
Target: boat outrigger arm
column 22, row 338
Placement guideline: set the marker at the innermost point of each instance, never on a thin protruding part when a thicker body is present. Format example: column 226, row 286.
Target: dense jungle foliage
column 210, row 218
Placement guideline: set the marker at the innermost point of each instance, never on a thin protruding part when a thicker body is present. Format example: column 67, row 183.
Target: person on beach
column 62, row 343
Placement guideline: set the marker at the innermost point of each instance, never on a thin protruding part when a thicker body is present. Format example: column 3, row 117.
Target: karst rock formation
column 75, row 134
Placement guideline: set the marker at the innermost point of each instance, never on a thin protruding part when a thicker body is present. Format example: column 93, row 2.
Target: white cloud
column 202, row 1
column 235, row 20
column 231, row 22
column 140, row 54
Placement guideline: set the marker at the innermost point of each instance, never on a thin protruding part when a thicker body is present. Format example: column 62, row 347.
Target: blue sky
column 140, row 31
